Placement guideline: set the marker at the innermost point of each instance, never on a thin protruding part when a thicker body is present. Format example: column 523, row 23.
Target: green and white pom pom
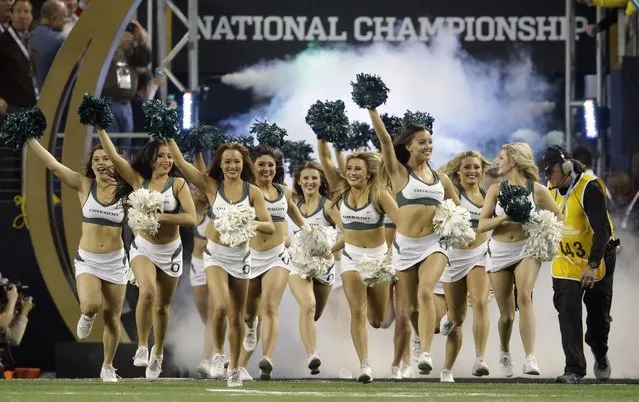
column 21, row 126
column 376, row 270
column 268, row 134
column 544, row 235
column 144, row 204
column 162, row 122
column 358, row 137
column 369, row 91
column 236, row 224
column 328, row 120
column 514, row 201
column 95, row 112
column 206, row 138
column 420, row 118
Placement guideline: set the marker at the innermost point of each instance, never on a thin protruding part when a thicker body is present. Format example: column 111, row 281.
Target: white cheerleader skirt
column 167, row 257
column 352, row 255
column 197, row 277
column 505, row 255
column 410, row 251
column 262, row 261
column 110, row 267
column 236, row 261
column 461, row 262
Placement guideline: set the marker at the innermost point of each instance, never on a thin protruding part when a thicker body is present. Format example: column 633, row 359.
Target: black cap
column 552, row 156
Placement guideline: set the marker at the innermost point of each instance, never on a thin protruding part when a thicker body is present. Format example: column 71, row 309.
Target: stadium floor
column 302, row 391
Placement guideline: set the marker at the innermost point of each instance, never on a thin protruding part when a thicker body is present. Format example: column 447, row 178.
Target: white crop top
column 221, row 202
column 470, row 206
column 317, row 218
column 277, row 208
column 200, row 229
column 530, row 186
column 93, row 211
column 418, row 192
column 171, row 204
column 363, row 218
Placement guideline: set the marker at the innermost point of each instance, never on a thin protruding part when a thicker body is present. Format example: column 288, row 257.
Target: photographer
column 14, row 316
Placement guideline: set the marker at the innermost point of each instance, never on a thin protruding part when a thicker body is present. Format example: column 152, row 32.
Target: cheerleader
column 227, row 269
column 100, row 263
column 419, row 255
column 270, row 262
column 197, row 276
column 466, row 273
column 313, row 202
column 156, row 259
column 363, row 201
column 508, row 265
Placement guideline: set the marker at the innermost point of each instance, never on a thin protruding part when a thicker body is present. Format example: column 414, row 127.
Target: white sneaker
column 416, row 348
column 85, row 324
column 234, row 379
column 217, row 367
column 154, row 368
column 204, row 368
column 365, row 373
column 425, row 364
column 141, row 358
column 266, row 367
column 445, row 326
column 531, row 367
column 406, row 370
column 446, row 376
column 107, row 374
column 506, row 364
column 244, row 375
column 314, row 363
column 250, row 336
column 395, row 373
column 480, row 368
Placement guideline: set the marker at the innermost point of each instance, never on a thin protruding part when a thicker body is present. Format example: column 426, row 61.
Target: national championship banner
column 236, row 34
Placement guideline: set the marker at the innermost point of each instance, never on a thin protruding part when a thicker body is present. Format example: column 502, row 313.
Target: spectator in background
column 17, row 84
column 583, row 155
column 147, row 87
column 121, row 83
column 72, row 18
column 82, row 5
column 46, row 39
column 5, row 14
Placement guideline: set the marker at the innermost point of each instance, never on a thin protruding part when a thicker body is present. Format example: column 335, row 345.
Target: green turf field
column 302, row 391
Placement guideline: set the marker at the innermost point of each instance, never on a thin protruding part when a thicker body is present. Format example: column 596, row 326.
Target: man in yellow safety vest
column 584, row 266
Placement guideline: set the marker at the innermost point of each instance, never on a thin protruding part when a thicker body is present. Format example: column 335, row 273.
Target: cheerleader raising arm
column 72, row 179
column 330, row 171
column 392, row 165
column 187, row 216
column 121, row 165
column 198, row 162
column 341, row 160
column 190, row 172
column 264, row 221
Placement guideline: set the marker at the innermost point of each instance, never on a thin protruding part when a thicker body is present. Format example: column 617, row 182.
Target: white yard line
column 388, row 394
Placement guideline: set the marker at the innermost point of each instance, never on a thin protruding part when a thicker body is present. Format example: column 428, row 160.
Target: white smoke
column 476, row 105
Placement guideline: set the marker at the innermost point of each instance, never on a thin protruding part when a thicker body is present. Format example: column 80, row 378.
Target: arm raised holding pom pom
column 332, row 174
column 192, row 173
column 121, row 165
column 74, row 180
column 396, row 172
column 198, row 162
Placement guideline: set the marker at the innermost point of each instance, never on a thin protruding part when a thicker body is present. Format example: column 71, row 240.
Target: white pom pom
column 144, row 204
column 376, row 270
column 452, row 223
column 309, row 248
column 236, row 224
column 544, row 235
column 130, row 277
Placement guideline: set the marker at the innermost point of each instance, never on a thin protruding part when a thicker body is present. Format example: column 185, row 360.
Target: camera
column 4, row 287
